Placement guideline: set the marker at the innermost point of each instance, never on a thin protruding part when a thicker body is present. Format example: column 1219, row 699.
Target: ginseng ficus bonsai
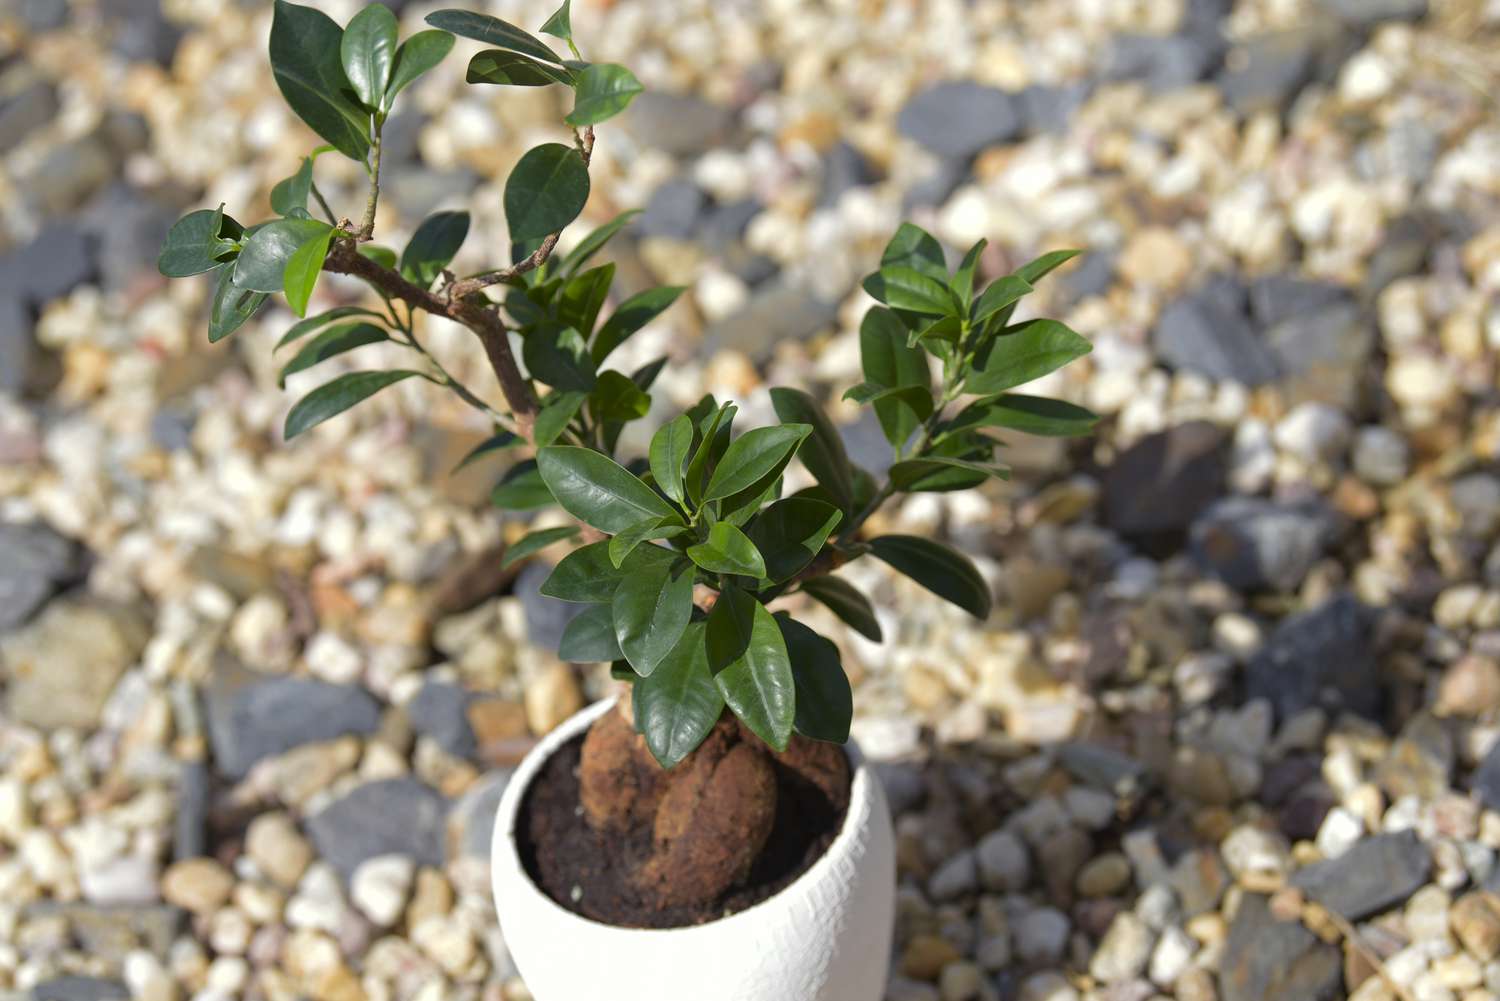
column 687, row 554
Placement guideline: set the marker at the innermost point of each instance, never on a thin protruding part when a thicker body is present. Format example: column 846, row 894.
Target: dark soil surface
column 585, row 870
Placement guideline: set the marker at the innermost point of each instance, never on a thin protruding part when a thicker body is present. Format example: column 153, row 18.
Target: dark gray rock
column 1208, row 332
column 1093, row 275
column 419, row 191
column 60, row 258
column 678, row 124
column 1323, row 657
column 43, row 15
column 1199, row 878
column 1051, row 109
column 1103, row 767
column 76, row 988
column 67, row 176
column 1403, row 250
column 1486, row 783
column 1408, row 150
column 18, row 347
column 35, row 563
column 1368, row 13
column 754, row 269
column 676, row 209
column 1277, row 298
column 1157, row 487
column 904, row 783
column 1205, row 15
column 1267, row 72
column 1375, row 875
column 1270, row 960
column 1254, row 544
column 546, row 618
column 724, row 225
column 1324, row 354
column 190, row 830
column 471, row 822
column 401, row 816
column 778, row 311
column 960, row 118
column 441, row 711
column 139, row 30
column 27, row 111
column 844, row 169
column 1165, row 62
column 172, row 428
column 126, row 228
column 934, row 189
column 252, row 717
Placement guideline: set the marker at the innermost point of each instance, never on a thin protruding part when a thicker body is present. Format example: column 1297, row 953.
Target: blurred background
column 1232, row 730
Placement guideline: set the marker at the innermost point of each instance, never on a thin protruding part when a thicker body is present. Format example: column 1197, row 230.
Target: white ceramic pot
column 826, row 937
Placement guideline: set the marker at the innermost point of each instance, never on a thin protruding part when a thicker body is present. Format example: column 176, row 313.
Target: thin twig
column 367, row 228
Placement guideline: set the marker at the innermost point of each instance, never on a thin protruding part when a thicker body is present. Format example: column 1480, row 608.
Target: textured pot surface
column 826, row 937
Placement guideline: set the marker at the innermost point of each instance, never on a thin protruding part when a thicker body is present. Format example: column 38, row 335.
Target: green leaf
column 906, row 288
column 557, row 412
column 918, row 475
column 728, row 550
column 497, row 442
column 1001, row 293
column 594, row 242
column 302, row 328
column 418, row 54
column 677, row 706
column 845, row 600
column 262, row 265
column 590, row 638
column 617, row 398
column 948, row 330
column 333, row 398
column 581, row 297
column 383, row 256
column 645, row 376
column 595, row 489
column 890, row 362
column 915, row 248
column 547, row 189
column 192, row 245
column 586, row 575
column 559, row 357
column 1044, row 265
column 963, row 279
column 232, row 305
column 560, row 24
column 292, row 193
column 433, row 246
column 825, row 702
column 622, row 544
column 1030, row 414
column 331, row 342
column 758, row 685
column 670, row 447
column 603, row 91
column 823, row 452
column 651, row 609
column 711, row 446
column 521, row 489
column 306, row 62
column 534, row 542
column 303, row 269
column 368, row 50
column 753, row 456
column 791, row 532
column 917, row 399
column 492, row 31
column 941, row 570
column 632, row 314
column 730, row 624
column 1027, row 352
column 511, row 69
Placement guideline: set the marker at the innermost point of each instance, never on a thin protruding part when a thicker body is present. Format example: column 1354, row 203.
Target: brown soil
column 639, row 864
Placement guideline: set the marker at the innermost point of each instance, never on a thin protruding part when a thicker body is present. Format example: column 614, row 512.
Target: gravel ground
column 1234, row 729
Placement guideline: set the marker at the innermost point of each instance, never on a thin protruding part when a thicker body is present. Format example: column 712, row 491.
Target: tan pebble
column 431, row 895
column 199, row 885
column 1470, row 687
column 925, row 956
column 1157, row 257
column 278, row 849
column 1476, row 923
column 552, row 697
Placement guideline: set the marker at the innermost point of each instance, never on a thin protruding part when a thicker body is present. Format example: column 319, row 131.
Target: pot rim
column 865, row 801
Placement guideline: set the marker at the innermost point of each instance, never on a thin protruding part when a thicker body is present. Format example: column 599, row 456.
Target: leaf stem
column 367, row 228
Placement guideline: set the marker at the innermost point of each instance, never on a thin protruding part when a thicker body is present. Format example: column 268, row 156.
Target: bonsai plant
column 720, row 781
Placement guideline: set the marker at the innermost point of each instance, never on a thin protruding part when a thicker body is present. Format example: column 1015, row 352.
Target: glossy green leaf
column 847, row 602
column 729, row 626
column 262, row 265
column 521, row 489
column 331, row 342
column 492, row 31
column 652, row 608
column 590, row 637
column 594, row 242
column 1025, row 353
column 368, row 51
column 192, row 245
column 557, row 412
column 302, row 328
column 595, row 489
column 753, row 456
column 758, row 685
column 890, row 362
column 306, row 62
column 915, row 248
column 622, row 544
column 825, row 702
column 418, row 54
column 945, row 572
column 432, row 246
column 603, row 91
column 303, row 269
column 728, row 550
column 559, row 357
column 333, row 398
column 582, row 296
column 383, row 256
column 534, row 542
column 632, row 314
column 232, row 305
column 677, row 706
column 645, row 376
column 922, row 474
column 823, row 452
column 511, row 69
column 791, row 532
column 1029, row 414
column 617, row 397
column 1000, row 294
column 712, row 444
column 586, row 575
column 560, row 24
column 1045, row 265
column 917, row 399
column 963, row 279
column 906, row 288
column 670, row 448
column 547, row 189
column 292, row 193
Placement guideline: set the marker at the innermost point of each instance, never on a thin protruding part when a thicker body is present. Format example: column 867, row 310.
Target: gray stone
column 1324, row 354
column 172, row 428
column 778, row 311
column 35, row 563
column 1375, row 875
column 1486, row 782
column 1158, row 486
column 754, row 269
column 1103, row 768
column 441, row 711
column 58, row 259
column 1266, row 72
column 677, row 124
column 401, row 816
column 139, row 31
column 1270, row 960
column 546, row 618
column 1368, row 13
column 190, row 825
column 1277, row 298
column 419, row 191
column 675, row 209
column 252, row 717
column 723, row 225
column 1209, row 333
column 1051, row 109
column 1199, row 878
column 844, row 169
column 1403, row 250
column 471, row 822
column 1165, row 62
column 69, row 175
column 1323, row 657
column 1093, row 276
column 1255, row 544
column 43, row 15
column 904, row 784
column 960, row 118
column 61, row 667
column 126, row 228
column 1420, row 761
column 935, row 189
column 77, row 988
column 27, row 111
